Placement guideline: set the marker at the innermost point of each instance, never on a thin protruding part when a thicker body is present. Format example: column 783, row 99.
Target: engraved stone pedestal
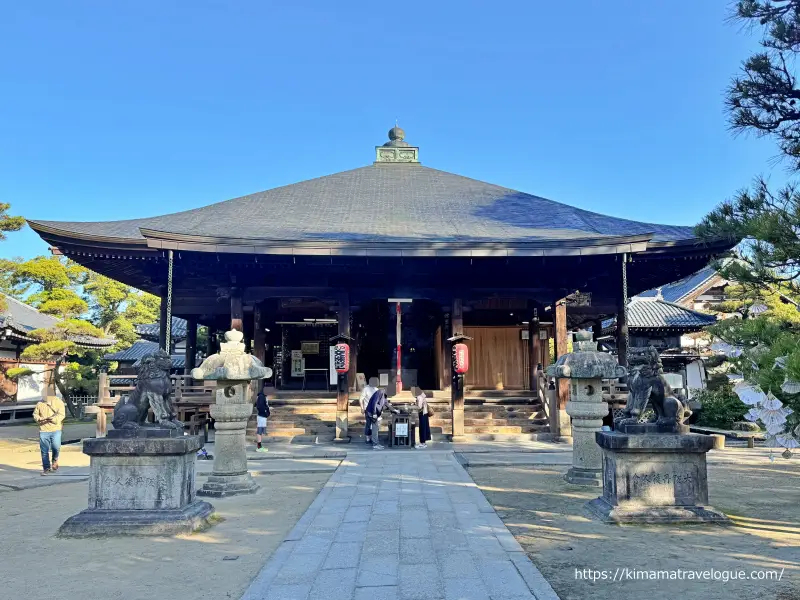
column 231, row 412
column 654, row 478
column 140, row 486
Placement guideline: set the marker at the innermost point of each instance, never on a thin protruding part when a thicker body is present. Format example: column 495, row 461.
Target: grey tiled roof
column 150, row 330
column 675, row 292
column 138, row 350
column 659, row 314
column 385, row 203
column 23, row 319
column 141, row 349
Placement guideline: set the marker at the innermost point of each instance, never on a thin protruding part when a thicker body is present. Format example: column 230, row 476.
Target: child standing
column 262, row 408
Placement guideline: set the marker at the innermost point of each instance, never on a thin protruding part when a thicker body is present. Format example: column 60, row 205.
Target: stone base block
column 92, row 522
column 589, row 477
column 603, row 511
column 219, row 486
column 654, row 478
column 344, row 440
column 140, row 486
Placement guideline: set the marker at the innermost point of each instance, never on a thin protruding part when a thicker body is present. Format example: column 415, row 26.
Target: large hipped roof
column 380, row 203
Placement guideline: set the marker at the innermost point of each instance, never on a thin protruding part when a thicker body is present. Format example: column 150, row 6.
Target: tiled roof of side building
column 150, row 330
column 676, row 291
column 647, row 313
column 384, row 203
column 139, row 350
column 25, row 317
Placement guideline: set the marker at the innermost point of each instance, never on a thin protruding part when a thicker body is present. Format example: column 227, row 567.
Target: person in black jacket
column 262, row 408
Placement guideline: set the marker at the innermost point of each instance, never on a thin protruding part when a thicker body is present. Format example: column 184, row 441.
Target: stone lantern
column 586, row 368
column 233, row 370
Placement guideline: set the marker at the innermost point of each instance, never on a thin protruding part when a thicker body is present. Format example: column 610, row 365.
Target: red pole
column 399, row 384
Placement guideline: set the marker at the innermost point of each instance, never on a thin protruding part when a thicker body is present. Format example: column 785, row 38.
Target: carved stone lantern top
column 586, row 362
column 232, row 363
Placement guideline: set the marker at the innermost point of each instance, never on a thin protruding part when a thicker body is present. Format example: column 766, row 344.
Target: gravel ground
column 216, row 564
column 546, row 515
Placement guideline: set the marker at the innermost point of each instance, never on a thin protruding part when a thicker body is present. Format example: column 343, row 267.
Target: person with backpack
column 377, row 404
column 262, row 408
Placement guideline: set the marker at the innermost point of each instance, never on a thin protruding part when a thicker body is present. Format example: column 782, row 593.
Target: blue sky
column 113, row 110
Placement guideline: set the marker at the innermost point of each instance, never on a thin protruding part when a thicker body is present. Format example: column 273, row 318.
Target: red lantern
column 341, row 358
column 460, row 358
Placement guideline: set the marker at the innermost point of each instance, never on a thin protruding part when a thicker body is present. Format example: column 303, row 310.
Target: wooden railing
column 615, row 392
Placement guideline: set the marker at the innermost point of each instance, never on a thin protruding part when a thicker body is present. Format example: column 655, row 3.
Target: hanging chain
column 625, row 305
column 168, row 348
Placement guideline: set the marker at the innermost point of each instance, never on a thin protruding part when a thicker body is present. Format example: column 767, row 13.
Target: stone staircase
column 311, row 417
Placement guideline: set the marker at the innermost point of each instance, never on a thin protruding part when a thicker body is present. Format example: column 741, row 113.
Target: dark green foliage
column 721, row 407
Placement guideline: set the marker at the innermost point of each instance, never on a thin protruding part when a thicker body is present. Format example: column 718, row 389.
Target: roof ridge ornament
column 396, row 150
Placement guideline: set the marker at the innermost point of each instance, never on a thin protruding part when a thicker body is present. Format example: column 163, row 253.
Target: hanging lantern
column 460, row 358
column 341, row 358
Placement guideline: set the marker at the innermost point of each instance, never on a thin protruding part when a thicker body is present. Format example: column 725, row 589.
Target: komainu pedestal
column 654, row 478
column 140, row 486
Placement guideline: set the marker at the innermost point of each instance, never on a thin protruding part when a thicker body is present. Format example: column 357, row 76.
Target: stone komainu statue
column 646, row 383
column 153, row 389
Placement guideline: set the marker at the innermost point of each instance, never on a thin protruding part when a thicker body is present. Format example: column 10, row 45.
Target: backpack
column 377, row 403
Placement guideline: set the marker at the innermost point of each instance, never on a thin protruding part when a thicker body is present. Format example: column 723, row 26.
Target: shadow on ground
column 546, row 516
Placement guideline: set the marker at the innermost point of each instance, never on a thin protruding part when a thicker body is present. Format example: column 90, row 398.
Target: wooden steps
column 302, row 417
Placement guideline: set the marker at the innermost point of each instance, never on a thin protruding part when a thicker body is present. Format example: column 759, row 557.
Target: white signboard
column 332, row 370
column 297, row 363
column 384, row 379
column 401, row 429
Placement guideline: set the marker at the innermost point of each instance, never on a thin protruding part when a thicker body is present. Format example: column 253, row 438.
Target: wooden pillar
column 237, row 311
column 162, row 321
column 597, row 329
column 457, row 381
column 342, row 392
column 622, row 334
column 560, row 316
column 259, row 333
column 191, row 345
column 351, row 376
column 534, row 351
column 545, row 345
column 445, row 377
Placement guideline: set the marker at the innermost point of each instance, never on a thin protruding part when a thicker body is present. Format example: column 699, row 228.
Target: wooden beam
column 560, row 315
column 237, row 312
column 534, row 351
column 457, row 381
column 259, row 335
column 191, row 345
column 342, row 392
column 162, row 322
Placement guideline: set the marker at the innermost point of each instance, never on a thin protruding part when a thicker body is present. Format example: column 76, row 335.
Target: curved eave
column 710, row 246
column 81, row 243
column 48, row 232
column 161, row 240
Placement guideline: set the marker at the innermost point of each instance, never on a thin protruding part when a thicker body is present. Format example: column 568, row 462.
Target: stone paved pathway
column 400, row 525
